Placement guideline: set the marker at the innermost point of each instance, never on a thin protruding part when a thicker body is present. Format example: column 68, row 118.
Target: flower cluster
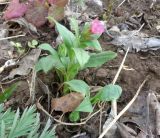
column 97, row 27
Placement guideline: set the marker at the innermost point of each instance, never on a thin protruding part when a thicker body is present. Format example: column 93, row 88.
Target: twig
column 153, row 2
column 102, row 104
column 13, row 80
column 121, row 3
column 4, row 3
column 16, row 36
column 88, row 114
column 120, row 68
column 79, row 135
column 96, row 88
column 32, row 85
column 124, row 110
column 114, row 102
column 40, row 107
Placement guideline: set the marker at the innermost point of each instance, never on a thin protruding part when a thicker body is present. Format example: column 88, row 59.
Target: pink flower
column 15, row 10
column 97, row 27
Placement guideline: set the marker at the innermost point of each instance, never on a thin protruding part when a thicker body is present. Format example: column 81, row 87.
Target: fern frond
column 12, row 125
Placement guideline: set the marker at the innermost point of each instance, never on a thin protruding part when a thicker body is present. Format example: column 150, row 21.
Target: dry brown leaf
column 56, row 12
column 67, row 103
column 22, row 22
column 25, row 64
column 15, row 10
column 37, row 13
column 61, row 3
column 6, row 48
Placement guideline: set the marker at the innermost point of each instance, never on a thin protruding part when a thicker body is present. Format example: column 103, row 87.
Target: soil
column 137, row 67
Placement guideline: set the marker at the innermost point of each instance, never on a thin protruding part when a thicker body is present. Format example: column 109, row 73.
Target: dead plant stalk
column 124, row 110
column 114, row 102
column 11, row 37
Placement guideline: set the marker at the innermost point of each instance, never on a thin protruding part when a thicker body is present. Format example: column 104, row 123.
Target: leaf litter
column 6, row 49
column 67, row 103
column 25, row 65
column 15, row 10
column 135, row 40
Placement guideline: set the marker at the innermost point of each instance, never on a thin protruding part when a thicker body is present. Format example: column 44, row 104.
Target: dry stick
column 101, row 106
column 114, row 102
column 76, row 124
column 121, row 3
column 153, row 2
column 124, row 110
column 40, row 107
column 4, row 3
column 33, row 85
column 6, row 38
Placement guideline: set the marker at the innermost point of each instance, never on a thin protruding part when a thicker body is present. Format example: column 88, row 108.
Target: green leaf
column 74, row 26
column 85, row 29
column 72, row 71
column 7, row 93
column 48, row 48
column 2, row 132
column 65, row 61
column 74, row 116
column 30, row 45
column 78, row 86
column 95, row 44
column 82, row 56
column 47, row 63
column 96, row 60
column 85, row 106
column 34, row 42
column 67, row 36
column 46, row 133
column 95, row 36
column 23, row 124
column 108, row 93
column 62, row 50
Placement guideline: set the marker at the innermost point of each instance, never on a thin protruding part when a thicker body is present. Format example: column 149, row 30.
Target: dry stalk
column 40, row 107
column 4, row 3
column 124, row 110
column 121, row 3
column 16, row 36
column 114, row 102
column 32, row 85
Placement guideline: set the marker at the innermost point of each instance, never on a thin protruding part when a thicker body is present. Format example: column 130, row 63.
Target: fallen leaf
column 123, row 131
column 61, row 3
column 15, row 10
column 51, row 1
column 37, row 13
column 6, row 49
column 56, row 12
column 67, row 103
column 26, row 64
column 23, row 23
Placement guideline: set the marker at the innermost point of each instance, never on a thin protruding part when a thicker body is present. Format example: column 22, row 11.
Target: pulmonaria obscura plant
column 71, row 57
